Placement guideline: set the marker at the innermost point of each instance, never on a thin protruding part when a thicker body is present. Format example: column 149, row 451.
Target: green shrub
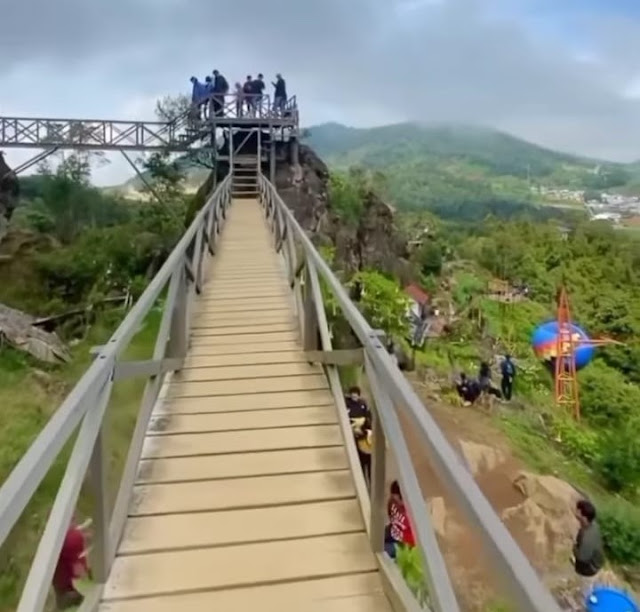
column 410, row 566
column 619, row 459
column 577, row 441
column 620, row 525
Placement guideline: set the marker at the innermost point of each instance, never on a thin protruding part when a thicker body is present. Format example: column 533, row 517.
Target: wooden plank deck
column 244, row 499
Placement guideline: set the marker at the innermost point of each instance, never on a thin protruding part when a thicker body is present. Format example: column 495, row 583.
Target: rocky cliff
column 374, row 242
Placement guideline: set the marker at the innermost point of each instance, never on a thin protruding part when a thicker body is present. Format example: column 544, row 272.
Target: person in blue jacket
column 196, row 96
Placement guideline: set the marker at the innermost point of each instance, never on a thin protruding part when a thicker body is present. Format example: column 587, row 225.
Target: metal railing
column 393, row 396
column 250, row 106
column 83, row 413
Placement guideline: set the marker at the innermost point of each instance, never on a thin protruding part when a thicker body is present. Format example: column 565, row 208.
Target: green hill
column 447, row 167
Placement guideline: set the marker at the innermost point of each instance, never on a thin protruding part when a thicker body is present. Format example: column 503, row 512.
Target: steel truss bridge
column 242, row 487
column 179, row 135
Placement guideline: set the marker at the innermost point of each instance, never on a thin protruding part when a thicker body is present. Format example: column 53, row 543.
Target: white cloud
column 357, row 61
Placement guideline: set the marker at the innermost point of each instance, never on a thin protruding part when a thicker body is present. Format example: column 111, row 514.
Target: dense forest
column 74, row 243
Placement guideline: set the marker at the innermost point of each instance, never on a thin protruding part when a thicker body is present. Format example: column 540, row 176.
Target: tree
column 430, row 258
column 172, row 107
column 382, row 302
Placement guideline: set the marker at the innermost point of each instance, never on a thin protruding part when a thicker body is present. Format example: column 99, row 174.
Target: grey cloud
column 440, row 61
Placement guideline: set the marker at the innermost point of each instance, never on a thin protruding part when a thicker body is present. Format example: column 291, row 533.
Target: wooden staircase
column 244, row 176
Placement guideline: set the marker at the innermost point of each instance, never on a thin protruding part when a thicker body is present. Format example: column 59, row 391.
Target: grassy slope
column 29, row 393
column 523, row 420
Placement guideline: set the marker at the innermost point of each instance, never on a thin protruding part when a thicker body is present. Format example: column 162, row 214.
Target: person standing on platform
column 197, row 98
column 257, row 88
column 220, row 89
column 279, row 95
column 239, row 99
column 208, row 92
column 247, row 89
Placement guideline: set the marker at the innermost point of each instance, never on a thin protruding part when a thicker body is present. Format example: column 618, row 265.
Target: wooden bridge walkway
column 244, row 498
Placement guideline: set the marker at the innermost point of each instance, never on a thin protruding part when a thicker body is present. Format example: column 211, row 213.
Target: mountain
column 446, row 167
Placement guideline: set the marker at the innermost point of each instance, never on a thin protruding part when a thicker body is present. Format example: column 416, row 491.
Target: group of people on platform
column 470, row 390
column 208, row 97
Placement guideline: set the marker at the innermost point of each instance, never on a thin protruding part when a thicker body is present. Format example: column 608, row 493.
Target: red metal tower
column 567, row 341
column 566, row 379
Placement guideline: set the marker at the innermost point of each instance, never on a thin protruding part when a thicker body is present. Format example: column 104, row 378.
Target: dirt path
column 487, row 452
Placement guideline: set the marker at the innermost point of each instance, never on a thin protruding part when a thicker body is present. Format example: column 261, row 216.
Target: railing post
column 378, row 477
column 179, row 334
column 101, row 553
column 310, row 333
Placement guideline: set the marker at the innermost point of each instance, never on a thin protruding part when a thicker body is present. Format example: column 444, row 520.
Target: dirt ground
column 487, row 452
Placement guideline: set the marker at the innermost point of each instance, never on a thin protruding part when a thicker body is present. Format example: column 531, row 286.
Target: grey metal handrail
column 84, row 409
column 392, row 392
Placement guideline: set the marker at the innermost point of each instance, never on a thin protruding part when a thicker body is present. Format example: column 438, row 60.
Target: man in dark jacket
column 257, row 89
column 588, row 550
column 220, row 89
column 279, row 95
column 508, row 371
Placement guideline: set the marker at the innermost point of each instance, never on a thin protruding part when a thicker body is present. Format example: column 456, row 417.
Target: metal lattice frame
column 392, row 394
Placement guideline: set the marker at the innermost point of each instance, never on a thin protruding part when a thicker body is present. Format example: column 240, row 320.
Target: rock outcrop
column 9, row 193
column 18, row 329
column 375, row 242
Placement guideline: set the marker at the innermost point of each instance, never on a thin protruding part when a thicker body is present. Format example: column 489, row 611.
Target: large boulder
column 545, row 517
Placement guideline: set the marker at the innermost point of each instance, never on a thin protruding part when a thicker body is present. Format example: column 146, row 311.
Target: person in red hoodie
column 72, row 564
column 398, row 531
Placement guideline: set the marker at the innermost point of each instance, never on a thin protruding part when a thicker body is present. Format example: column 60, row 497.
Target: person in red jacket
column 399, row 531
column 72, row 564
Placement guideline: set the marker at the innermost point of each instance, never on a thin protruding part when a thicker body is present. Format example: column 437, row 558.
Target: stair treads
column 238, row 421
column 243, row 359
column 218, row 443
column 247, row 371
column 236, row 339
column 239, row 465
column 220, row 350
column 249, row 327
column 348, row 593
column 237, row 566
column 230, row 319
column 175, row 531
column 257, row 401
column 249, row 386
column 240, row 493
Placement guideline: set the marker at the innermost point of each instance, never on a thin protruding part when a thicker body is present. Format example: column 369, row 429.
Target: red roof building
column 417, row 294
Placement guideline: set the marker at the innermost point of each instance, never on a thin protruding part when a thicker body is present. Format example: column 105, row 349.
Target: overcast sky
column 563, row 73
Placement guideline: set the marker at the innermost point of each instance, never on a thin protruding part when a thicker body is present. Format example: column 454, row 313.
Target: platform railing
column 82, row 416
column 394, row 397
